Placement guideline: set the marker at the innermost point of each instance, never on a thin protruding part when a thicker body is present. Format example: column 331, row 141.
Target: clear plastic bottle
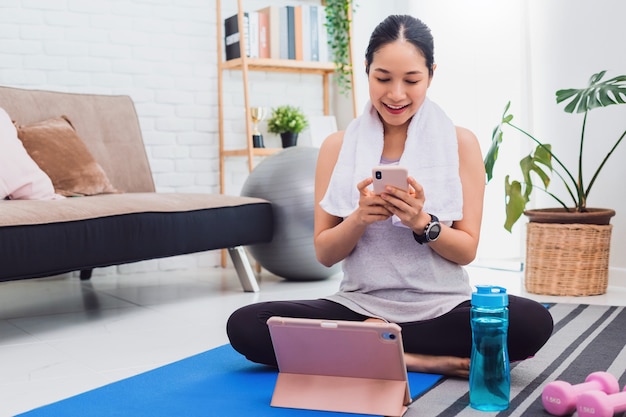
column 490, row 379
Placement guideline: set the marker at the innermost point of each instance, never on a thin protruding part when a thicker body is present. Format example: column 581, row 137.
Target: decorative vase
column 567, row 253
column 289, row 139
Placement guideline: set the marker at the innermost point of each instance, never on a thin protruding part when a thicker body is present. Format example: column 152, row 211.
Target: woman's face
column 398, row 81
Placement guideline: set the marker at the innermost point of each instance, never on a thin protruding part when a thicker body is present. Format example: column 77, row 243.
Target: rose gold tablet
column 344, row 366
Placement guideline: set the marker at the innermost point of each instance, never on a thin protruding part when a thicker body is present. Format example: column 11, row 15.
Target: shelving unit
column 246, row 64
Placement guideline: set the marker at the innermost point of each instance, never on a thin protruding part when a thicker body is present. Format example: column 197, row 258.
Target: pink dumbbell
column 559, row 397
column 600, row 404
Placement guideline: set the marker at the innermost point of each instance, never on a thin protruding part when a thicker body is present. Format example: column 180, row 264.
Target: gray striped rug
column 586, row 339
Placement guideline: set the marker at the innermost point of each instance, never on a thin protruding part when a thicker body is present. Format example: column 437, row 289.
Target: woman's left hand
column 407, row 205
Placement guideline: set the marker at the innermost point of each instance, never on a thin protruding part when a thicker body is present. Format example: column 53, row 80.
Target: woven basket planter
column 567, row 259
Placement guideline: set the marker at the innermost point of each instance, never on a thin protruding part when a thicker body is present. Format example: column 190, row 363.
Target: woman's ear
column 430, row 78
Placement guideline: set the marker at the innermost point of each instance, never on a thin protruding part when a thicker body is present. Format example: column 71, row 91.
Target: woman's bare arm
column 334, row 238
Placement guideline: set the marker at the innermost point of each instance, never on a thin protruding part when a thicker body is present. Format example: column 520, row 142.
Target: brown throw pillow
column 56, row 148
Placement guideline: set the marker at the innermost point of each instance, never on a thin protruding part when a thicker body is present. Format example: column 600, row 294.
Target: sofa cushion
column 85, row 208
column 59, row 152
column 20, row 177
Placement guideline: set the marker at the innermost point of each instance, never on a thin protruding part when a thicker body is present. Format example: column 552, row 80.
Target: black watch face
column 433, row 231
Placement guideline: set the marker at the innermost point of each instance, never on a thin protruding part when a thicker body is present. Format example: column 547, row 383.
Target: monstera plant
column 542, row 164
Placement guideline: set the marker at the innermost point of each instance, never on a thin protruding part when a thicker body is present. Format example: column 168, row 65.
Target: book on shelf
column 280, row 32
column 270, row 16
column 291, row 32
column 283, row 33
column 232, row 37
column 252, row 34
column 264, row 33
column 314, row 37
column 298, row 33
column 306, row 33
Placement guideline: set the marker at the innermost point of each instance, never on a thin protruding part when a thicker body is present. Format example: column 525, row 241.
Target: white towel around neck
column 430, row 155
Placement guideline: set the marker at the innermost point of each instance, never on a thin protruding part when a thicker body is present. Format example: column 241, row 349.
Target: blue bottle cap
column 490, row 296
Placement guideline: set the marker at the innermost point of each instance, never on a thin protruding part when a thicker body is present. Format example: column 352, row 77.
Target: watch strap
column 425, row 237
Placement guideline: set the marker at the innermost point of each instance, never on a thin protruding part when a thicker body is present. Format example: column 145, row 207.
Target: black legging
column 530, row 326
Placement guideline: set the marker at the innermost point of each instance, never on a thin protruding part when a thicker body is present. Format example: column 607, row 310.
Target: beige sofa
column 41, row 238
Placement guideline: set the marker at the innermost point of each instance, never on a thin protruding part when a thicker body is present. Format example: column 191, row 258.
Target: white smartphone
column 393, row 175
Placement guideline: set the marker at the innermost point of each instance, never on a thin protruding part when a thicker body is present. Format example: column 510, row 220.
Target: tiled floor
column 61, row 336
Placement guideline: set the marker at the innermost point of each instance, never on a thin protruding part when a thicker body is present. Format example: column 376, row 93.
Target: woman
column 403, row 251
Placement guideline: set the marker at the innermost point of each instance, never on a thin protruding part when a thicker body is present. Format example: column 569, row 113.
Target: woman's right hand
column 372, row 208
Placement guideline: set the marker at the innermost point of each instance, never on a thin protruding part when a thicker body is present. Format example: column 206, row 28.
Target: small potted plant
column 572, row 224
column 287, row 121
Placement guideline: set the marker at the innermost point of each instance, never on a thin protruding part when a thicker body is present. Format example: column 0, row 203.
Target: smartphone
column 393, row 175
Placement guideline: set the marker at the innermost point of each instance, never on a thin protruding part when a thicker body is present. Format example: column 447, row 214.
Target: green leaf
column 543, row 155
column 597, row 94
column 562, row 95
column 532, row 164
column 492, row 153
column 596, row 77
column 515, row 202
column 496, row 140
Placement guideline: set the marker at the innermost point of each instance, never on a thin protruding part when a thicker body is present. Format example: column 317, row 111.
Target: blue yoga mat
column 219, row 382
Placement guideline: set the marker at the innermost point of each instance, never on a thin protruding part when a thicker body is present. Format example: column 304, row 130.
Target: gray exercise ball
column 287, row 180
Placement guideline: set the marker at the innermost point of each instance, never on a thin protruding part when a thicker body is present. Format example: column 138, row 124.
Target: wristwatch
column 431, row 231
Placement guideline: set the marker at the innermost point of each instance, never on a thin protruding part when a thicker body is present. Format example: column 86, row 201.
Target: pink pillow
column 20, row 177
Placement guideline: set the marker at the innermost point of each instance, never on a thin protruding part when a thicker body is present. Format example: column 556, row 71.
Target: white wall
column 162, row 53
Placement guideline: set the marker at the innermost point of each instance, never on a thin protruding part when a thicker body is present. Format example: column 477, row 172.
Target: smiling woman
column 402, row 251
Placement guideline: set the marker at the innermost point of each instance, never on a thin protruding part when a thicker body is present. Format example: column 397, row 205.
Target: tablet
column 343, row 366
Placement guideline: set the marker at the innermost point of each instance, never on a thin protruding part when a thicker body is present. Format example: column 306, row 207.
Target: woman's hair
column 402, row 27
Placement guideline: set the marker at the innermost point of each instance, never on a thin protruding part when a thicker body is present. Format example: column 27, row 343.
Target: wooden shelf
column 255, row 152
column 280, row 65
column 246, row 64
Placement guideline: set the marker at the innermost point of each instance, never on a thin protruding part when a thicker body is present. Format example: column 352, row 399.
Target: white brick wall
column 162, row 53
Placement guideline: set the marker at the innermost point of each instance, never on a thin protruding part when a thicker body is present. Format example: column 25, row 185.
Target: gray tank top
column 389, row 275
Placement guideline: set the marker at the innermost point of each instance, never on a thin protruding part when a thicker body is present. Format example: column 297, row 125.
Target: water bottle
column 489, row 380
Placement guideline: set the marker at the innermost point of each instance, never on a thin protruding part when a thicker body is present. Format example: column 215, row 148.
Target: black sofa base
column 40, row 250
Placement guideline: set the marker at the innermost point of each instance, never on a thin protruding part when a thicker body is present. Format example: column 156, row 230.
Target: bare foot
column 431, row 364
column 375, row 320
column 445, row 365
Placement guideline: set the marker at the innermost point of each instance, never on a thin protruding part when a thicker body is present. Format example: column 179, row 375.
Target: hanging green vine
column 338, row 29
